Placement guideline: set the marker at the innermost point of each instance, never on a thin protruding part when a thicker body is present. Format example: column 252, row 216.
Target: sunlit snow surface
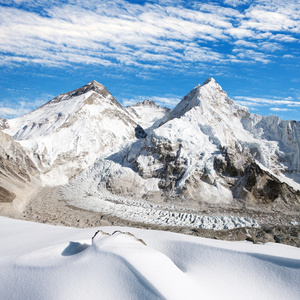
column 47, row 262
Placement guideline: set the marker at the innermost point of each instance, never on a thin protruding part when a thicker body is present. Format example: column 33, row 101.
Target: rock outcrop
column 18, row 175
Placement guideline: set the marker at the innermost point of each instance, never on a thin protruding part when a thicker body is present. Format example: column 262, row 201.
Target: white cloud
column 262, row 105
column 22, row 106
column 162, row 33
column 280, row 109
column 288, row 100
column 11, row 112
column 236, row 3
column 252, row 55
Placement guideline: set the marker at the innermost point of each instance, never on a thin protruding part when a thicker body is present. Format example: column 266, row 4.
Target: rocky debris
column 18, row 176
column 3, row 124
column 131, row 235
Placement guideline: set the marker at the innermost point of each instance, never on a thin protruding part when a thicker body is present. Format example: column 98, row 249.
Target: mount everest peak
column 70, row 131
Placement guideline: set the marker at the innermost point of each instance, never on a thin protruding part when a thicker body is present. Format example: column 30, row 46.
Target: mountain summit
column 208, row 96
column 70, row 131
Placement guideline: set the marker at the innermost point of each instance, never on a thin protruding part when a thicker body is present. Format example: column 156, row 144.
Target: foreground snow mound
column 46, row 262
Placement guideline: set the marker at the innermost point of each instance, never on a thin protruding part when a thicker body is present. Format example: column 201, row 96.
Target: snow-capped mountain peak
column 148, row 114
column 207, row 96
column 70, row 131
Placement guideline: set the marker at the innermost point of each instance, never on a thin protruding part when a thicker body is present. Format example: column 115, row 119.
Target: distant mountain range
column 207, row 150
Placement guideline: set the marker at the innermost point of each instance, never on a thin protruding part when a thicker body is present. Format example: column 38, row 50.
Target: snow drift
column 46, row 262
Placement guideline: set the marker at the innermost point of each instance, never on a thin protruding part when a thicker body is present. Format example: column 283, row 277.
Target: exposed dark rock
column 167, row 157
column 6, row 196
column 139, row 132
column 3, row 124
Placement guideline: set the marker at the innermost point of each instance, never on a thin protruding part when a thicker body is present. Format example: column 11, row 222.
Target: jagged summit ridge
column 92, row 86
column 148, row 103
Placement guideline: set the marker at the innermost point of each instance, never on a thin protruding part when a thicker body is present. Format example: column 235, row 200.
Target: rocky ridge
column 18, row 175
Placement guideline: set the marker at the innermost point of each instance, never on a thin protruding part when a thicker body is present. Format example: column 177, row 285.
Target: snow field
column 48, row 262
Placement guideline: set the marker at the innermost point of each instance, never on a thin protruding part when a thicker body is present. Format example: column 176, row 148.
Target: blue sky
column 157, row 50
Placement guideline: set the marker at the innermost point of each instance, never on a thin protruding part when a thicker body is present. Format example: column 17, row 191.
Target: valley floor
column 49, row 206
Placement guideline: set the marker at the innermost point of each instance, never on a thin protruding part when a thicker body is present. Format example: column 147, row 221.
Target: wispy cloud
column 270, row 101
column 22, row 106
column 155, row 35
column 280, row 109
column 236, row 3
column 274, row 104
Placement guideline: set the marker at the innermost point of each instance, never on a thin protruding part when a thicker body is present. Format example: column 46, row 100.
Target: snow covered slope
column 48, row 262
column 69, row 132
column 212, row 149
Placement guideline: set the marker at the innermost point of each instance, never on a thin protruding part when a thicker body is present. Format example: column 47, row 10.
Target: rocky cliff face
column 18, row 174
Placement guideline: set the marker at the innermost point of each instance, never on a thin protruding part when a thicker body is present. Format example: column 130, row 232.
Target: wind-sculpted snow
column 50, row 262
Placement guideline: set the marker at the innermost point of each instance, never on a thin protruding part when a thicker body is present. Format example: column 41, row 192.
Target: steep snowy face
column 208, row 97
column 287, row 136
column 69, row 132
column 148, row 114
